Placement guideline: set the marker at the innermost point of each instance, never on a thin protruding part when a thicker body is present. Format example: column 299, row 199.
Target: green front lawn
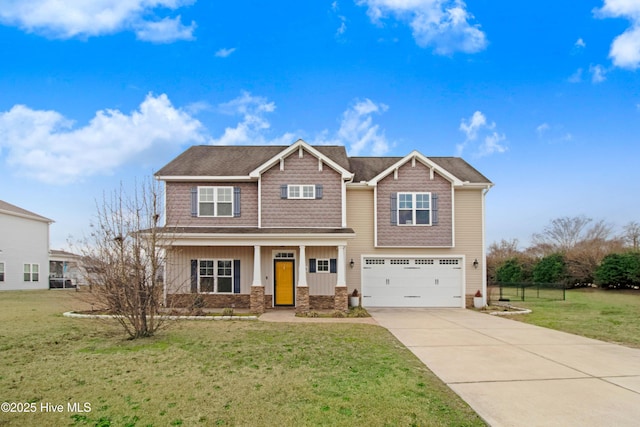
column 608, row 315
column 211, row 373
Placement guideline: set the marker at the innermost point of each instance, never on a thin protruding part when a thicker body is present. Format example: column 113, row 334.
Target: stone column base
column 256, row 302
column 341, row 299
column 302, row 299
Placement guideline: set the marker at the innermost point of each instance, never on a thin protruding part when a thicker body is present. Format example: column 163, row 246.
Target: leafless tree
column 631, row 235
column 562, row 233
column 126, row 256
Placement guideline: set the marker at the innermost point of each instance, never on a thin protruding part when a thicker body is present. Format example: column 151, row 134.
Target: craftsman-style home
column 303, row 226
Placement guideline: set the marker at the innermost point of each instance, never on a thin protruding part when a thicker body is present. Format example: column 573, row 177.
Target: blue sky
column 542, row 97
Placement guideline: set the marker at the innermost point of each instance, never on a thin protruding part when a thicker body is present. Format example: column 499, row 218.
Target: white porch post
column 341, row 280
column 302, row 268
column 257, row 274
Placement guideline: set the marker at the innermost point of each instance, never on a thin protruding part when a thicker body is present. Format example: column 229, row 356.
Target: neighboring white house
column 24, row 249
column 65, row 270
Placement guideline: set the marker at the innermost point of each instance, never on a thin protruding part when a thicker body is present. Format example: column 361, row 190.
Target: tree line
column 574, row 251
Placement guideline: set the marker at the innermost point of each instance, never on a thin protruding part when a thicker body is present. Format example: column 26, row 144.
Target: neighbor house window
column 215, row 201
column 302, row 192
column 215, row 276
column 322, row 266
column 414, row 208
column 31, row 272
column 1, row 271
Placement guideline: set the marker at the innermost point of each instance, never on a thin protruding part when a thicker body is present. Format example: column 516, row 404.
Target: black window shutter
column 283, row 191
column 434, row 209
column 319, row 191
column 312, row 265
column 194, row 201
column 236, row 276
column 333, row 265
column 394, row 208
column 194, row 276
column 236, row 201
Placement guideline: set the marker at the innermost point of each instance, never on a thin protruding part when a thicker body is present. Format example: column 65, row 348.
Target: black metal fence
column 528, row 291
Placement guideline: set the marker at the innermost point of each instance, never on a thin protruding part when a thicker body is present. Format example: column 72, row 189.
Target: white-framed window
column 31, row 272
column 215, row 276
column 301, row 191
column 215, row 201
column 1, row 271
column 322, row 265
column 414, row 208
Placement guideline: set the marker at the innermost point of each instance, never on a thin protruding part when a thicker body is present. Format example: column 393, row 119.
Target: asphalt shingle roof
column 211, row 160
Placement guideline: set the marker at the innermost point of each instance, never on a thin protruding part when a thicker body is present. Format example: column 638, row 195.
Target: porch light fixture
column 475, row 263
column 351, row 263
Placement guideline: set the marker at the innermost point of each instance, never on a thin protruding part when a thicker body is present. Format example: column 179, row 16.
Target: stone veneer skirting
column 258, row 301
column 208, row 301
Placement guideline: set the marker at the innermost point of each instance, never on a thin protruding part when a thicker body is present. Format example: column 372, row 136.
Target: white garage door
column 412, row 282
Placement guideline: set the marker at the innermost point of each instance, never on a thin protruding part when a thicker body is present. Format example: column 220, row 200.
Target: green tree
column 511, row 271
column 550, row 269
column 619, row 270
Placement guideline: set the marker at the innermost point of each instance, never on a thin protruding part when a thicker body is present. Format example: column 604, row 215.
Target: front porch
column 305, row 271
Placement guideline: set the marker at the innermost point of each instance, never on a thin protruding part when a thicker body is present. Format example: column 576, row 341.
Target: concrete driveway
column 514, row 374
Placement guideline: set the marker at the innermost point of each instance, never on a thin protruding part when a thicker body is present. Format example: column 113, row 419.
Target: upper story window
column 31, row 272
column 1, row 271
column 414, row 208
column 215, row 201
column 302, row 192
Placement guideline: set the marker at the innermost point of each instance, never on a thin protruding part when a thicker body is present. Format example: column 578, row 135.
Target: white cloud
column 81, row 18
column 580, row 43
column 441, row 24
column 44, row 144
column 598, row 73
column 625, row 49
column 224, row 52
column 475, row 126
column 542, row 129
column 492, row 144
column 253, row 126
column 358, row 132
column 576, row 77
column 553, row 134
column 165, row 31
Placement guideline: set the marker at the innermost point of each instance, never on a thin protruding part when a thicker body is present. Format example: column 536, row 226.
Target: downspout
column 484, row 247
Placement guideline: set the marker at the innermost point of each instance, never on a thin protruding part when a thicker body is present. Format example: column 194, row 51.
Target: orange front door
column 283, row 284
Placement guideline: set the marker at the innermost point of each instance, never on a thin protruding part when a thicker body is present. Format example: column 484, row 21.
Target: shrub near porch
column 213, row 373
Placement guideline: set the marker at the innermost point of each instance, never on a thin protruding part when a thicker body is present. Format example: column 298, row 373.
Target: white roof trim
column 299, row 145
column 422, row 159
column 34, row 217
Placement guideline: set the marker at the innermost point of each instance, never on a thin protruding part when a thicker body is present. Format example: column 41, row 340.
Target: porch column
column 302, row 291
column 341, row 280
column 302, row 268
column 341, row 299
column 256, row 298
column 257, row 265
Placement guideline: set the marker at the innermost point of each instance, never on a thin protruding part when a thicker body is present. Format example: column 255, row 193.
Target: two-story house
column 24, row 249
column 303, row 226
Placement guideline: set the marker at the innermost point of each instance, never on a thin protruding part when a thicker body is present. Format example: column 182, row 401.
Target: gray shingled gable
column 211, row 160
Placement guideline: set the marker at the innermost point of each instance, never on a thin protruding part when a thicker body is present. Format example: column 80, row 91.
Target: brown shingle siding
column 414, row 179
column 179, row 205
column 278, row 212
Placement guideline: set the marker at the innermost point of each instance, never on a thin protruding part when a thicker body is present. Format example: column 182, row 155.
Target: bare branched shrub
column 125, row 258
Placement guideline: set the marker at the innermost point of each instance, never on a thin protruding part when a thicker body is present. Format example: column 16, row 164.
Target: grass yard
column 211, row 373
column 608, row 315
